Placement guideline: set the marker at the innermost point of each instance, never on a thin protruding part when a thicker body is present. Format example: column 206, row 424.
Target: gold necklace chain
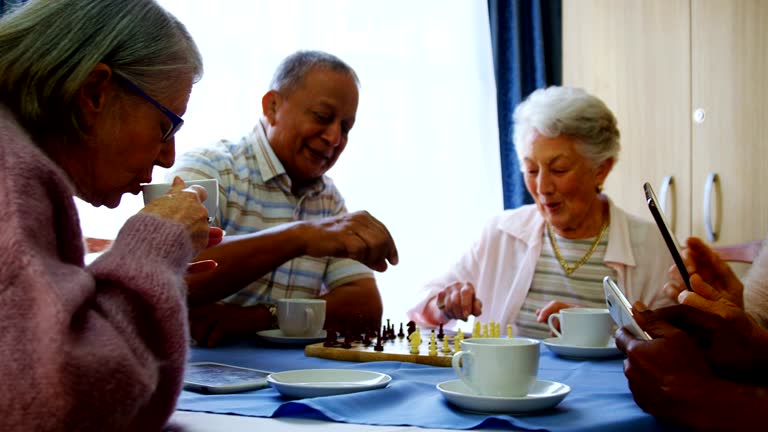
column 567, row 268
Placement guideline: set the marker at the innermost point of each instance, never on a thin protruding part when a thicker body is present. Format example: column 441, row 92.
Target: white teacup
column 156, row 190
column 499, row 367
column 586, row 327
column 300, row 316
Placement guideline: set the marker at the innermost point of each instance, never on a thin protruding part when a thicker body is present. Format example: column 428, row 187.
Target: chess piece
column 441, row 335
column 446, row 348
column 509, row 331
column 415, row 341
column 348, row 339
column 485, row 330
column 411, row 327
column 457, row 341
column 330, row 338
column 400, row 334
column 476, row 330
column 432, row 344
column 379, row 344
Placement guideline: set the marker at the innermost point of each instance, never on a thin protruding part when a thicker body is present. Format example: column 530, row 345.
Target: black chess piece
column 330, row 338
column 379, row 344
column 348, row 339
column 400, row 334
column 440, row 334
column 411, row 327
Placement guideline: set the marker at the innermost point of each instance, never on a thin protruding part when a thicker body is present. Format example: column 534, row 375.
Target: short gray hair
column 571, row 112
column 48, row 49
column 292, row 70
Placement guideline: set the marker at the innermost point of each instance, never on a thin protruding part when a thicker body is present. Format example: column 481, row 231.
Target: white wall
column 423, row 155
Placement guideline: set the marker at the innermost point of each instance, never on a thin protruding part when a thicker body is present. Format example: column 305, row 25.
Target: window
column 423, row 155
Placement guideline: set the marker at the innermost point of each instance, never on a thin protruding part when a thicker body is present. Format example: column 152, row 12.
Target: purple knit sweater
column 101, row 347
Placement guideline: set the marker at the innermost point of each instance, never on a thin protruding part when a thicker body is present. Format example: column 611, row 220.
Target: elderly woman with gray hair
column 532, row 261
column 91, row 94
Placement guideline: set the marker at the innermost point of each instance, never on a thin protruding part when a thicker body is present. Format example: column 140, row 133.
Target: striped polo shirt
column 255, row 194
column 583, row 287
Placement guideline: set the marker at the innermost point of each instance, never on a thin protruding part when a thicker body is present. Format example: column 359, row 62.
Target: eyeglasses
column 176, row 121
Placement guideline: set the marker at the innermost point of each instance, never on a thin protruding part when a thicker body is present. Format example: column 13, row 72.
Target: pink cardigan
column 97, row 348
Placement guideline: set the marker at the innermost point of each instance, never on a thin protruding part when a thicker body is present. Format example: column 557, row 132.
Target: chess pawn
column 433, row 344
column 509, row 331
column 457, row 340
column 446, row 347
column 476, row 330
column 379, row 344
column 485, row 331
column 498, row 330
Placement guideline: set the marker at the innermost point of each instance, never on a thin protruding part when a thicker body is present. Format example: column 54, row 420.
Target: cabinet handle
column 710, row 186
column 666, row 184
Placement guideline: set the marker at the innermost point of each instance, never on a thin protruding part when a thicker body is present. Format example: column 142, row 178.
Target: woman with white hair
column 532, row 261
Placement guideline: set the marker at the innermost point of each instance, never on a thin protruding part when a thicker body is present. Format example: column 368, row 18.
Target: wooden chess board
column 397, row 349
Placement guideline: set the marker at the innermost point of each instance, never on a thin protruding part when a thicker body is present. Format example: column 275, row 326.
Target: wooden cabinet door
column 730, row 84
column 635, row 55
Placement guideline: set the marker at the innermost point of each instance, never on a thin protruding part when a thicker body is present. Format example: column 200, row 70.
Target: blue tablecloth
column 600, row 399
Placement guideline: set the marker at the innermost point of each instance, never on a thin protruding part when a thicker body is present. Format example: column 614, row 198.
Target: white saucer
column 558, row 347
column 306, row 383
column 277, row 336
column 543, row 395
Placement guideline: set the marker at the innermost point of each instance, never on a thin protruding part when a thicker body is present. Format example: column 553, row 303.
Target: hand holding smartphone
column 669, row 238
column 621, row 310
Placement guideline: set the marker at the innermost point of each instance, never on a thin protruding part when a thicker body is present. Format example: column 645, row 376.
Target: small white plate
column 543, row 395
column 558, row 347
column 306, row 383
column 277, row 336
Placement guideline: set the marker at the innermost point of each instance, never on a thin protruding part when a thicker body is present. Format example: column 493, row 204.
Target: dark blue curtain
column 527, row 54
column 6, row 5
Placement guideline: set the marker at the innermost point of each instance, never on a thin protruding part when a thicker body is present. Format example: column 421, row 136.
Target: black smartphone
column 209, row 377
column 669, row 238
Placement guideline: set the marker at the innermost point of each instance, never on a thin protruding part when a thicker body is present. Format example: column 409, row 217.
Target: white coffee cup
column 300, row 316
column 586, row 327
column 499, row 367
column 153, row 191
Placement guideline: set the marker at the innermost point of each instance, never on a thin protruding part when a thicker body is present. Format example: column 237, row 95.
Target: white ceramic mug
column 300, row 316
column 586, row 327
column 499, row 367
column 153, row 191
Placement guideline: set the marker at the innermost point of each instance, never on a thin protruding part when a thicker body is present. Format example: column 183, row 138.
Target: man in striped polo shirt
column 288, row 231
